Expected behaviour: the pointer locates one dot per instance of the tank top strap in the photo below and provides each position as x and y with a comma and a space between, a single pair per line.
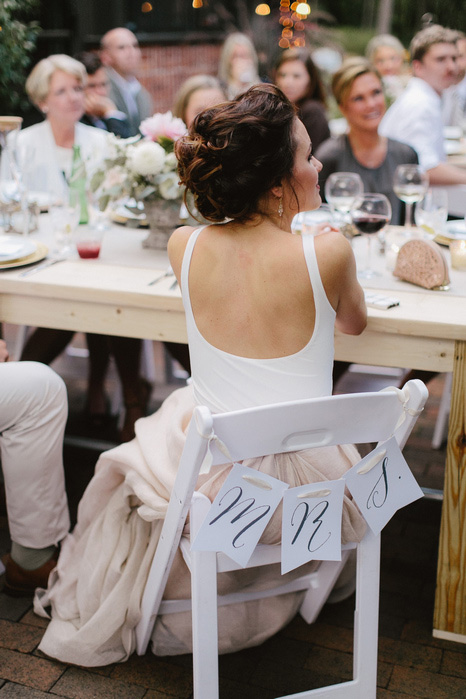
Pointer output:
314, 272
185, 267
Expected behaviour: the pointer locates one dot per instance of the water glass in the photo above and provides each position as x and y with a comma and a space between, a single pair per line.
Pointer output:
410, 184
431, 213
64, 220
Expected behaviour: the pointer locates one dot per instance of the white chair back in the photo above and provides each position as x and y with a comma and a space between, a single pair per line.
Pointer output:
342, 419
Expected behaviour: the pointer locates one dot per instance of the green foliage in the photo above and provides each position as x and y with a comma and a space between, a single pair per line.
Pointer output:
353, 39
17, 42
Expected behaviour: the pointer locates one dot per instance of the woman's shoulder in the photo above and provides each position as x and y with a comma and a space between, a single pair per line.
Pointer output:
406, 153
177, 245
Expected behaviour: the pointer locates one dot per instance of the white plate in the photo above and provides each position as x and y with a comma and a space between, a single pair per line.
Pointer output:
453, 147
14, 248
455, 229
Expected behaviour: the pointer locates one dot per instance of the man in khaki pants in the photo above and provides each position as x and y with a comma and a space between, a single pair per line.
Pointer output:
33, 412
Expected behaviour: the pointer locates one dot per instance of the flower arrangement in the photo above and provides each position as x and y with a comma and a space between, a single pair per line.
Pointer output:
143, 167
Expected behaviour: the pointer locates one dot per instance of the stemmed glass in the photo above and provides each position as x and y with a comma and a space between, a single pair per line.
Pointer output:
410, 183
64, 219
341, 190
370, 213
431, 213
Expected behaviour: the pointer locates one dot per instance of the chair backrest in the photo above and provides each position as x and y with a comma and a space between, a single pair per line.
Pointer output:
272, 429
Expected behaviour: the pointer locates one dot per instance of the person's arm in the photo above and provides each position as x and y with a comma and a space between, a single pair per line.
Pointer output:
4, 356
338, 273
446, 174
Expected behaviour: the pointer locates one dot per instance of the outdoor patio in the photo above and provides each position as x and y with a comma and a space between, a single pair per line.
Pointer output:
411, 663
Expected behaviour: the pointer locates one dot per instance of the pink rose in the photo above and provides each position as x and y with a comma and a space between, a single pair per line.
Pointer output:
163, 125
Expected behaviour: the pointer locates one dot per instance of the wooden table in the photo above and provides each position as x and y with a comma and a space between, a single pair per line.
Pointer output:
427, 331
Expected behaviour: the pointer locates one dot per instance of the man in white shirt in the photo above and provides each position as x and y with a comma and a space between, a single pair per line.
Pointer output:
415, 117
121, 55
454, 98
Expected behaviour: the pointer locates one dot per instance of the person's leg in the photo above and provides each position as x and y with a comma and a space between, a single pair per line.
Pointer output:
136, 391
33, 412
99, 356
45, 344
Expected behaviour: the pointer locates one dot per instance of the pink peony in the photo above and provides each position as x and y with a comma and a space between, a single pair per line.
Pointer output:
163, 125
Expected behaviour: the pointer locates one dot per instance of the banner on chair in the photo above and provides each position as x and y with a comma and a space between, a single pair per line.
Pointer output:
311, 524
240, 513
381, 483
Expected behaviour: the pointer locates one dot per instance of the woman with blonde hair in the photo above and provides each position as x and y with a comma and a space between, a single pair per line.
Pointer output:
238, 65
56, 87
359, 93
298, 77
196, 94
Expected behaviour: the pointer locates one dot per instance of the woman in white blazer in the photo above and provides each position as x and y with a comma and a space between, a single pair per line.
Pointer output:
56, 86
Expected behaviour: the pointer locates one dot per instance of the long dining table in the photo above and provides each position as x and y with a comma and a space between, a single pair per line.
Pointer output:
113, 295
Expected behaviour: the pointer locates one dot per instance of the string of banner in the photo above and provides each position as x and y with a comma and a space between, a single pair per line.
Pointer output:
380, 484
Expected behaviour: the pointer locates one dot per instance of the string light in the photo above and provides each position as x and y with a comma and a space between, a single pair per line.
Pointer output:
146, 7
292, 18
263, 9
197, 3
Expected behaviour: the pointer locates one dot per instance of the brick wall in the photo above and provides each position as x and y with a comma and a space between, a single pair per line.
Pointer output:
164, 68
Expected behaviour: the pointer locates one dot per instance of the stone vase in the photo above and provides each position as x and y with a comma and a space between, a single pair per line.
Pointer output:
162, 216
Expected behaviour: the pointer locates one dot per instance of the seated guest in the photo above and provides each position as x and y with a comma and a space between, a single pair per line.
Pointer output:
386, 54
121, 55
454, 97
415, 117
298, 77
238, 65
359, 93
33, 412
56, 86
261, 307
100, 111
196, 94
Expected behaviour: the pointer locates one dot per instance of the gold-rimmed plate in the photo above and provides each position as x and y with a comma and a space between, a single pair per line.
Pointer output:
39, 254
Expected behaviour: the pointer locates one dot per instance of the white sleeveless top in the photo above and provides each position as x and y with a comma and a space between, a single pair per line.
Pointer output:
225, 382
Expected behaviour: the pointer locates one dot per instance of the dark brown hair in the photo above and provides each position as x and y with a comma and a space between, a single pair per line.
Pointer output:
316, 89
236, 151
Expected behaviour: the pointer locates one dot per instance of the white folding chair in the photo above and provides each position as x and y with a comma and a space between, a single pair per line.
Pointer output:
343, 419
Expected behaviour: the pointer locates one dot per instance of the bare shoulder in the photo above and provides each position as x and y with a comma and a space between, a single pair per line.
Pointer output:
332, 250
177, 245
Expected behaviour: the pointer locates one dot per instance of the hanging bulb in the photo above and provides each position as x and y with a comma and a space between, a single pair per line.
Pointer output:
197, 3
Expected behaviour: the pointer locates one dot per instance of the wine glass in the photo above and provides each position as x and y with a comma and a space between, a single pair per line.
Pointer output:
431, 213
370, 213
64, 219
341, 190
410, 184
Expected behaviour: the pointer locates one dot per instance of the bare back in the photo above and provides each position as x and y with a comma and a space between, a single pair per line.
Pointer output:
250, 289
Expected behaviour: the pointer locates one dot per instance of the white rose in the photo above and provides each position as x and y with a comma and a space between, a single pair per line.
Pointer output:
170, 162
146, 158
168, 185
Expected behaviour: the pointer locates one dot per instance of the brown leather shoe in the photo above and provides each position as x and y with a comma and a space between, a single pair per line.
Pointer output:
20, 582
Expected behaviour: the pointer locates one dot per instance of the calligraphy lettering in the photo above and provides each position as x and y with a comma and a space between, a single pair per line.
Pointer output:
375, 494
318, 520
247, 505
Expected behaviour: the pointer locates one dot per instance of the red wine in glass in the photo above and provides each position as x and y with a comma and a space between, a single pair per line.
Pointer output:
367, 224
370, 213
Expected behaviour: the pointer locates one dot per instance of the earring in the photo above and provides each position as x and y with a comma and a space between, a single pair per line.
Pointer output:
45, 110
280, 207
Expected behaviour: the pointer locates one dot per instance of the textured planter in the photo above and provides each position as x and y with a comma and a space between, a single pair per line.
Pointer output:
162, 216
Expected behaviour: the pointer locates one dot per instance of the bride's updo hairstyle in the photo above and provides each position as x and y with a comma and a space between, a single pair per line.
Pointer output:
236, 151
